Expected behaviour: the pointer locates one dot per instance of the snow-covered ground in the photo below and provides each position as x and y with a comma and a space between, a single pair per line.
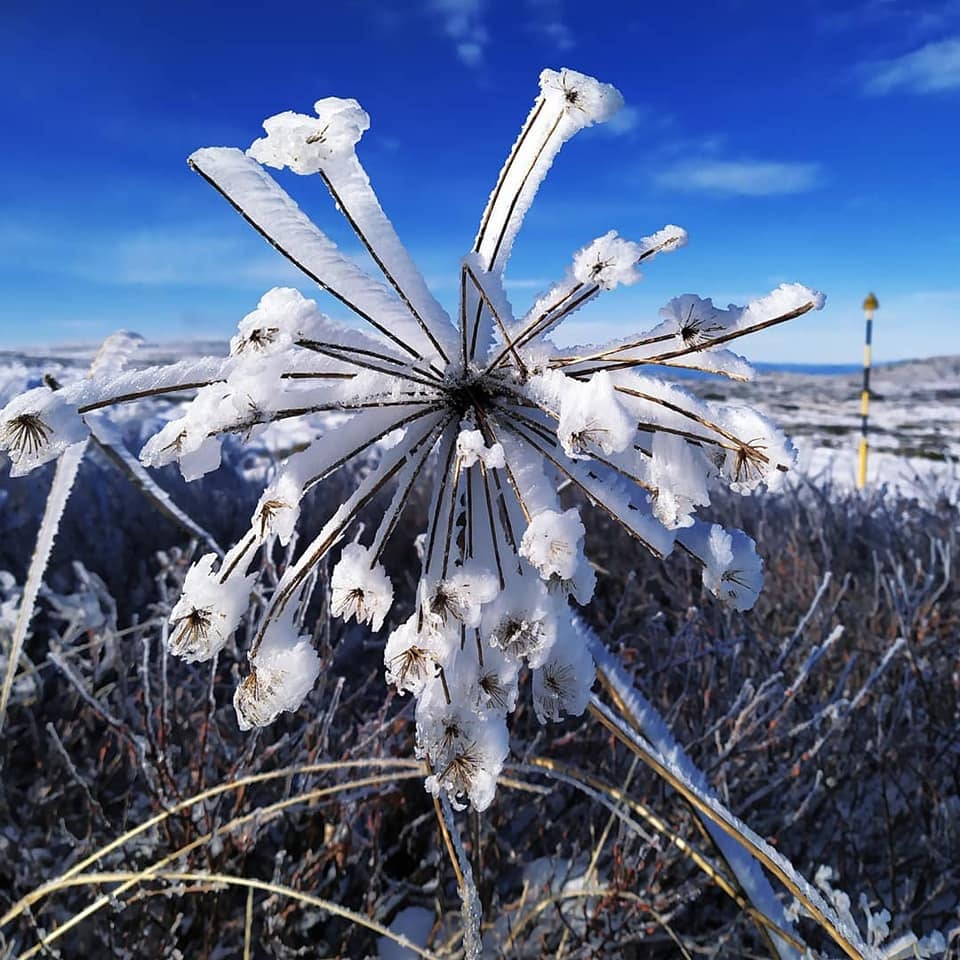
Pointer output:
914, 419
914, 411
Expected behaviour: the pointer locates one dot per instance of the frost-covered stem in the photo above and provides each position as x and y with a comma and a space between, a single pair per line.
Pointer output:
485, 297
489, 438
497, 257
338, 406
107, 438
495, 198
551, 316
63, 479
392, 516
347, 355
307, 248
494, 533
451, 513
590, 494
848, 939
645, 720
143, 395
316, 375
333, 530
749, 451
511, 479
713, 342
603, 354
438, 501
471, 912
236, 556
346, 177
464, 335
787, 648
538, 428
469, 504
504, 210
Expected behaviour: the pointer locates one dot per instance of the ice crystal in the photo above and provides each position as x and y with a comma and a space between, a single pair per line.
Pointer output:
485, 404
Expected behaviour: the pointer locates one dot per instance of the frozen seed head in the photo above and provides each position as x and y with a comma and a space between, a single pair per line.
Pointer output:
519, 637
305, 144
207, 612
37, 427
489, 407
191, 634
25, 435
608, 262
733, 569
553, 543
585, 100
360, 587
283, 671
256, 697
561, 687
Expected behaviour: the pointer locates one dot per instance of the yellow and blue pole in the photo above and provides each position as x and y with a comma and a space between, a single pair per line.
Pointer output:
869, 306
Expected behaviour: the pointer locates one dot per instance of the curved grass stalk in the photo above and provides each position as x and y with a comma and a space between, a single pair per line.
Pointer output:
604, 893
276, 889
847, 938
260, 814
615, 799
239, 784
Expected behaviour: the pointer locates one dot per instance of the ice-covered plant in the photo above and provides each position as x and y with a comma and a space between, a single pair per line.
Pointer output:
485, 403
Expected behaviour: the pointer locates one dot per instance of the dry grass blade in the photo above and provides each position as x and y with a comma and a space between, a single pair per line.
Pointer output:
239, 784
260, 814
616, 800
603, 893
847, 939
248, 925
276, 889
746, 874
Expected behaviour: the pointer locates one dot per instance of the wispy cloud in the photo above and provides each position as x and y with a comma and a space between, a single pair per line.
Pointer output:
932, 68
547, 21
181, 256
462, 21
748, 178
631, 117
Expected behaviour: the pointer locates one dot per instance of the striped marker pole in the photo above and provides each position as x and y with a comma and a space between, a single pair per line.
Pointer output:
869, 306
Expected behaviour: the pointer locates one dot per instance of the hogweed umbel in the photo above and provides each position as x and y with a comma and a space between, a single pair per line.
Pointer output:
499, 412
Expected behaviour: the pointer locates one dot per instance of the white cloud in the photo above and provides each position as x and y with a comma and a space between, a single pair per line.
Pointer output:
548, 22
749, 178
625, 120
932, 68
462, 21
169, 256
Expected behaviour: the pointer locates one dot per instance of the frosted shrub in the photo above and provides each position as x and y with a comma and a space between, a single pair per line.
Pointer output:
485, 403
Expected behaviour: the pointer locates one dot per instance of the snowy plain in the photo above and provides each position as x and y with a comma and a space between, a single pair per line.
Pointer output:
914, 409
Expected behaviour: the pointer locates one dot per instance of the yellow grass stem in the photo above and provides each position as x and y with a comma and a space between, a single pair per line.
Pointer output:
248, 925
620, 797
52, 885
224, 879
724, 822
260, 814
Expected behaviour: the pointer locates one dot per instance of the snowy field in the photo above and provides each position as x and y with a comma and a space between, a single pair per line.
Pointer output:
914, 411
914, 419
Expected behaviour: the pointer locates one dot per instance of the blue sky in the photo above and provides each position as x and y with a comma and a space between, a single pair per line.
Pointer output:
810, 141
